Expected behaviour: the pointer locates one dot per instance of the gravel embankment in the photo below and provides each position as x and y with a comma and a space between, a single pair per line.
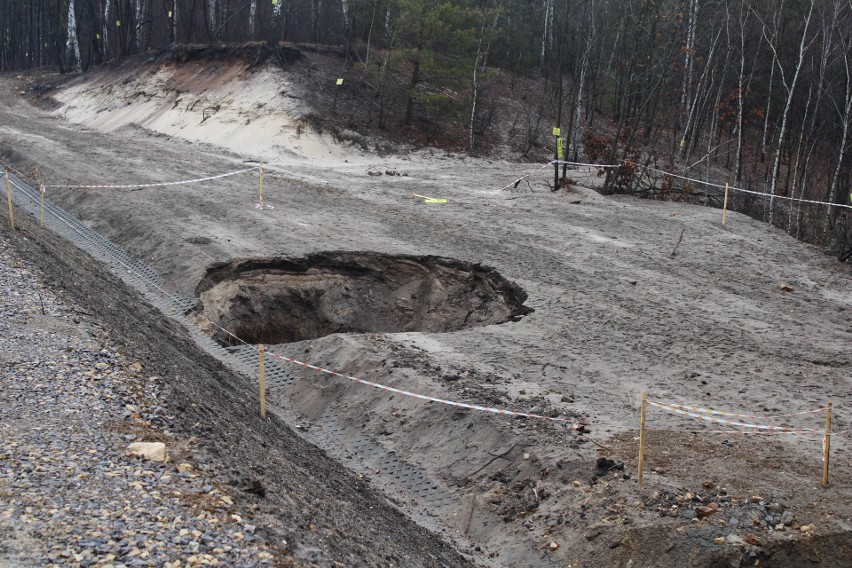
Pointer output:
70, 403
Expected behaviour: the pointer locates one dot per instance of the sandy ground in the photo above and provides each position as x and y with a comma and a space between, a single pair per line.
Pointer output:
741, 318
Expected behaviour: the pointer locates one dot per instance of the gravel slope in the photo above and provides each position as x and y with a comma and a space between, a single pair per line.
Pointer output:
79, 382
70, 403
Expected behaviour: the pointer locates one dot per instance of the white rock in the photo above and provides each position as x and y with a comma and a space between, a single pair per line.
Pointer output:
154, 451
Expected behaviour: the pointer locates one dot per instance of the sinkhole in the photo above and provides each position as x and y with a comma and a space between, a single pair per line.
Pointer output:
283, 300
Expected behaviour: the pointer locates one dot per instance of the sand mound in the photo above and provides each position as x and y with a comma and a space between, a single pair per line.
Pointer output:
235, 103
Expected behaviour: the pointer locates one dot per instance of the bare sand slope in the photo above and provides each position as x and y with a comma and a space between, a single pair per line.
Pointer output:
742, 318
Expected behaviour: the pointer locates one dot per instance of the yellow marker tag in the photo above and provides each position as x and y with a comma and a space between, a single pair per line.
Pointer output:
97, 36
118, 23
433, 200
170, 13
339, 82
557, 131
560, 153
274, 2
850, 197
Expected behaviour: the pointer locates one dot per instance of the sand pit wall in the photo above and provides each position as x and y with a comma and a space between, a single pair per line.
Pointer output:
238, 104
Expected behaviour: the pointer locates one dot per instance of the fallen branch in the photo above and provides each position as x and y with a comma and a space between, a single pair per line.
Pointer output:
679, 239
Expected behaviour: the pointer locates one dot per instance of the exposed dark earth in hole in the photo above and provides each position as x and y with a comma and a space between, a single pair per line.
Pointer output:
283, 300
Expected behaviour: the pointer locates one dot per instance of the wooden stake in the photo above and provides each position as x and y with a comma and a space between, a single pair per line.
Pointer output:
261, 185
9, 200
41, 193
262, 349
679, 239
640, 477
826, 445
725, 207
557, 132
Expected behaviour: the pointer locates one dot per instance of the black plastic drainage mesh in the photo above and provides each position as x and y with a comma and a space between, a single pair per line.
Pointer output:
331, 435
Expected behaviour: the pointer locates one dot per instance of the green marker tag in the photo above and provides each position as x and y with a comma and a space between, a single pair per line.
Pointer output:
339, 82
433, 200
274, 2
97, 36
557, 131
560, 152
118, 23
170, 13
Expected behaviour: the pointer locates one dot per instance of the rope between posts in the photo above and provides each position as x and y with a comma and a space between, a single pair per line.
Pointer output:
767, 427
161, 184
748, 191
684, 178
819, 433
420, 396
294, 361
702, 410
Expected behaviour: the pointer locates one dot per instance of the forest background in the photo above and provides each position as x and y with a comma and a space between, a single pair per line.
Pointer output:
757, 93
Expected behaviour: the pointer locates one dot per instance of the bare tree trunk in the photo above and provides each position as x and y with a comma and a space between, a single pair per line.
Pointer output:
771, 42
72, 43
799, 153
174, 22
212, 16
791, 89
579, 96
382, 78
841, 152
547, 36
686, 138
481, 55
738, 168
369, 39
139, 21
252, 18
688, 58
714, 110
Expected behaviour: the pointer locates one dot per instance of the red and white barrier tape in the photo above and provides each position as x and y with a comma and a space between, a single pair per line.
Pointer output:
162, 184
584, 165
751, 433
767, 427
702, 410
423, 396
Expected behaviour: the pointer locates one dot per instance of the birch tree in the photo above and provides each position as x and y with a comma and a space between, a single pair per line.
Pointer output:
686, 99
174, 21
482, 48
791, 90
212, 8
72, 44
252, 18
844, 111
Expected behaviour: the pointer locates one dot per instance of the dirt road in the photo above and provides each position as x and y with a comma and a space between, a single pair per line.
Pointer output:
741, 318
